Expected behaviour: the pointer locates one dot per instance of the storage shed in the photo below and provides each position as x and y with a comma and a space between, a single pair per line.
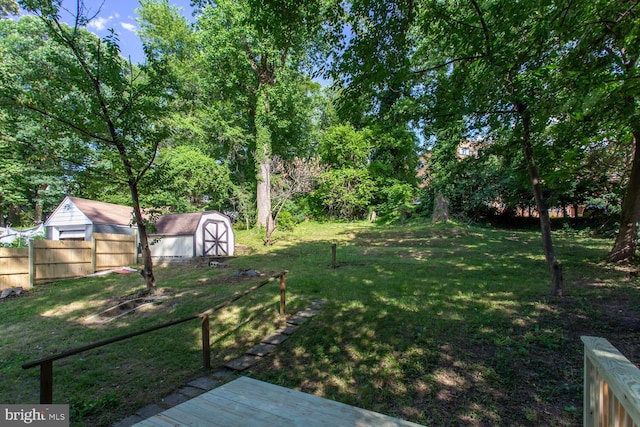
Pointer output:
193, 234
78, 219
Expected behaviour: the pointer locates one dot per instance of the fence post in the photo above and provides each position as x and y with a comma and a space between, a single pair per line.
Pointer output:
94, 246
283, 291
32, 266
206, 348
46, 382
333, 255
134, 258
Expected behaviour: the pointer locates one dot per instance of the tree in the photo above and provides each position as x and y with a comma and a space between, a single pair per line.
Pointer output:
604, 66
494, 64
252, 100
487, 63
188, 180
8, 7
345, 193
346, 189
261, 45
39, 156
293, 179
111, 105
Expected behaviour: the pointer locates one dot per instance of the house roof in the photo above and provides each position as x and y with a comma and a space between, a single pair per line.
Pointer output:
102, 212
177, 224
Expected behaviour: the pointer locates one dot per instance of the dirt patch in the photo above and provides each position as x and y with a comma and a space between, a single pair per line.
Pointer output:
125, 307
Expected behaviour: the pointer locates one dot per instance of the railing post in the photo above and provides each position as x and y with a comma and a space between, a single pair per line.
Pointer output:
283, 291
46, 382
333, 255
587, 412
206, 347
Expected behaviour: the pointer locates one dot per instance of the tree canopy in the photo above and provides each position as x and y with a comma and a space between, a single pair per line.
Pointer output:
229, 104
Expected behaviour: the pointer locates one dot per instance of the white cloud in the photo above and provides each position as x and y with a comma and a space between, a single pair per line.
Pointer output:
128, 26
100, 23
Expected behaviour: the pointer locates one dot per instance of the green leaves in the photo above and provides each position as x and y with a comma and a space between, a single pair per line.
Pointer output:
343, 146
344, 193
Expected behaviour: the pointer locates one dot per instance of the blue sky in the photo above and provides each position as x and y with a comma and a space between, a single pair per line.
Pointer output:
120, 16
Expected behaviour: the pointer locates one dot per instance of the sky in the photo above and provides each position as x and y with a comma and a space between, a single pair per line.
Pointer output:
120, 16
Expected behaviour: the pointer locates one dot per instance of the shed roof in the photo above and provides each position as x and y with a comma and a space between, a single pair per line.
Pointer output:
178, 224
102, 212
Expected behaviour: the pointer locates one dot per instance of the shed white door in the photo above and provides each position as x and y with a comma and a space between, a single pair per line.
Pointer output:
215, 238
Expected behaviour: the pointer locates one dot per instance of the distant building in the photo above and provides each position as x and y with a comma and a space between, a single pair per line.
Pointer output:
468, 148
174, 236
78, 219
192, 234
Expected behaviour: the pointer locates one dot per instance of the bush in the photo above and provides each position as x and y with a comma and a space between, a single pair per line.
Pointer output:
344, 194
285, 221
399, 197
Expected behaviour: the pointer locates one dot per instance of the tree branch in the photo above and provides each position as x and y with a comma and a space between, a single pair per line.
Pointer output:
65, 122
447, 63
485, 29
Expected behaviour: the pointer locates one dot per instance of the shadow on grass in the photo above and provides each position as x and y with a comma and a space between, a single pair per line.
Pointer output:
438, 325
454, 326
107, 384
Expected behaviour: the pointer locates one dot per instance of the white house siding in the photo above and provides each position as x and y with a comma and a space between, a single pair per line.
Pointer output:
68, 222
172, 246
68, 232
67, 214
78, 219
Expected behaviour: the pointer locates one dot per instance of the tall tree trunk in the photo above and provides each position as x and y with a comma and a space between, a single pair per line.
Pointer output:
147, 262
37, 209
545, 223
263, 167
624, 248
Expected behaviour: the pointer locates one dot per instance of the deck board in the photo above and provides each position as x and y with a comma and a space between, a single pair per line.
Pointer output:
253, 403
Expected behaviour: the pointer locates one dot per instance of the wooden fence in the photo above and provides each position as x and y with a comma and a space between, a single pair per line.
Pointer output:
49, 260
611, 386
14, 267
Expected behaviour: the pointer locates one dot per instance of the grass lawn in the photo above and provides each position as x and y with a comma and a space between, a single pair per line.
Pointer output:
441, 325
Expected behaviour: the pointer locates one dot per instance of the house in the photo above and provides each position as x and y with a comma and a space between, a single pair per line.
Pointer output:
207, 233
78, 219
172, 236
468, 148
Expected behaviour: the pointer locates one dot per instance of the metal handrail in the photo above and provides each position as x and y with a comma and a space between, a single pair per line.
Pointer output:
46, 364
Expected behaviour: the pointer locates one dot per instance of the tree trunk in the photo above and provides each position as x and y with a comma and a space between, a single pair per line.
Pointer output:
624, 248
263, 195
263, 168
545, 223
147, 262
440, 210
37, 209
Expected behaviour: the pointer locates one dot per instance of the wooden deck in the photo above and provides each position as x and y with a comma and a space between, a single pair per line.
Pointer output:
248, 402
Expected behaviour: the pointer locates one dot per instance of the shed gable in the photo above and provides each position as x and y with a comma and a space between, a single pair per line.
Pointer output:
67, 213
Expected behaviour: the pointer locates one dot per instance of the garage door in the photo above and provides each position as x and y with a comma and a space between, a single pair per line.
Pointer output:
72, 234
